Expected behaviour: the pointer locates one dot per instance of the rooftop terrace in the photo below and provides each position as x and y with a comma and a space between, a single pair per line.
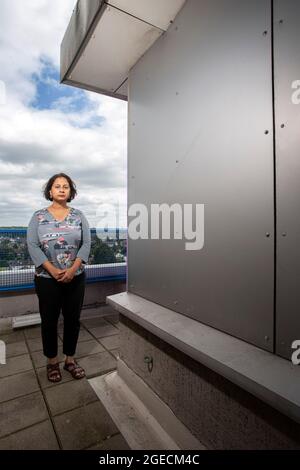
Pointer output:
37, 414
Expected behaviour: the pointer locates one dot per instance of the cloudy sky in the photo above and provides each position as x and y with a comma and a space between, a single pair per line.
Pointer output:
46, 128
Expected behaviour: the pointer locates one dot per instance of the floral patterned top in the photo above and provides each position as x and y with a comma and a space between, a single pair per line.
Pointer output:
59, 242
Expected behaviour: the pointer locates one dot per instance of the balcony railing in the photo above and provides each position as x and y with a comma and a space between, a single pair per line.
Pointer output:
107, 258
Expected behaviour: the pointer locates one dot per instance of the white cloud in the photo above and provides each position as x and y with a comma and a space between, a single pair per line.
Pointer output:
34, 143
30, 30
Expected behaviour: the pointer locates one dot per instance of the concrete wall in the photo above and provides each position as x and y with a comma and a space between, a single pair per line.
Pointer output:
25, 302
217, 412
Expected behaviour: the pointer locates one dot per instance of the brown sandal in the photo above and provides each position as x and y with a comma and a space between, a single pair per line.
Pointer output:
53, 372
75, 370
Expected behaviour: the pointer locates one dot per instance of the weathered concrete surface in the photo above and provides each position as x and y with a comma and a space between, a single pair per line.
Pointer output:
38, 414
218, 413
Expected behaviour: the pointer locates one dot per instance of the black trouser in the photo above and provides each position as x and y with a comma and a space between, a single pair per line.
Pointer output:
54, 297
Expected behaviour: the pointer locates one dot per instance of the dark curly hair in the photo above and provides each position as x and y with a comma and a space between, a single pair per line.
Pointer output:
48, 186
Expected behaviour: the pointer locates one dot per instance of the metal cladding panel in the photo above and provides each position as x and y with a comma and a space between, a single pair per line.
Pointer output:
287, 125
200, 131
156, 12
117, 42
84, 14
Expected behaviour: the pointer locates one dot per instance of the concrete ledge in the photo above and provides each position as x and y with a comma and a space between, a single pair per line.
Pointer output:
144, 420
174, 428
274, 380
139, 428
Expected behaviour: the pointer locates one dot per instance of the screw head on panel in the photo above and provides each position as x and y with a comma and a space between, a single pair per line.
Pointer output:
265, 33
280, 21
284, 234
282, 126
266, 131
268, 234
149, 361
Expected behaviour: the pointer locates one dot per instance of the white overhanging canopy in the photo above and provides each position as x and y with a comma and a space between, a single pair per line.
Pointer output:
105, 39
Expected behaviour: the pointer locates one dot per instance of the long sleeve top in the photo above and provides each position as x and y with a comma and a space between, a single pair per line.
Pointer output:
59, 242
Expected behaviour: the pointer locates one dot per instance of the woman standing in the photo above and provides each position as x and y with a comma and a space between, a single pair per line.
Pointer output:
59, 242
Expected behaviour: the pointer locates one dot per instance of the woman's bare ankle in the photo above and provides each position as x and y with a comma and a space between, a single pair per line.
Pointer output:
52, 360
69, 359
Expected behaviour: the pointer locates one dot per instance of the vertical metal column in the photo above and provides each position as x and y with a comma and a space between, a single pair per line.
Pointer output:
287, 125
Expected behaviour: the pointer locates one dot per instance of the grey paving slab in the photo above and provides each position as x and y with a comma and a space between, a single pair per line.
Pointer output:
110, 342
36, 344
13, 337
94, 322
33, 332
22, 412
116, 442
18, 385
84, 336
114, 319
108, 309
97, 364
82, 427
37, 437
96, 312
102, 331
86, 348
65, 397
16, 349
14, 365
115, 352
40, 360
5, 326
